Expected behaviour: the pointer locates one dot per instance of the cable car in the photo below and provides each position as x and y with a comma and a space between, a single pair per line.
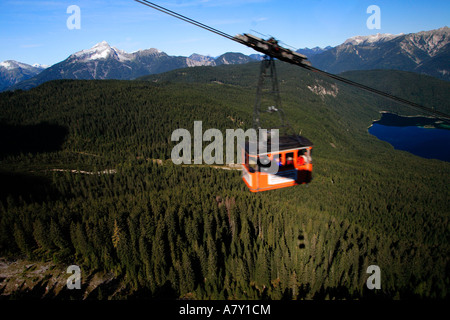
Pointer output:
292, 161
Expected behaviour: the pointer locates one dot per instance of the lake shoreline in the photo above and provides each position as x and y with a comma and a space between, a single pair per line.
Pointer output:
391, 119
423, 136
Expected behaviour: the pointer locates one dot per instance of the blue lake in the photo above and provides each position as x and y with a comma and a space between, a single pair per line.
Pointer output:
405, 133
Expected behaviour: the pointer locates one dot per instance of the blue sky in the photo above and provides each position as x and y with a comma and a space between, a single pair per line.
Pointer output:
36, 31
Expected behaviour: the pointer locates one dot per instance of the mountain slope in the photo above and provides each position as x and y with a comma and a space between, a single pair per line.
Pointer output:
424, 52
12, 72
233, 58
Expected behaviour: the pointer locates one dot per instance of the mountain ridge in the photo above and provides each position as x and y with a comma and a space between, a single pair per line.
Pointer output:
103, 61
426, 52
309, 52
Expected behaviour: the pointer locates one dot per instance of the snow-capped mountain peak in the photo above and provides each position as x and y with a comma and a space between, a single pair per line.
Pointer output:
8, 65
12, 64
40, 66
101, 50
371, 39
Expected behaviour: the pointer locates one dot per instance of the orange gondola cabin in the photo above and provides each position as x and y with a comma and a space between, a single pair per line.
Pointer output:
292, 160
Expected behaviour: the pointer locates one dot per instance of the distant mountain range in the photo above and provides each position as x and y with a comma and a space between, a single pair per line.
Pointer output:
105, 62
426, 52
13, 72
313, 51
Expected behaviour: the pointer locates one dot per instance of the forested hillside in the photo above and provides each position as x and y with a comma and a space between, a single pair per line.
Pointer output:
168, 231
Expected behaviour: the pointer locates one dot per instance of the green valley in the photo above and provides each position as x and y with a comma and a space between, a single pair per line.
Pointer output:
167, 231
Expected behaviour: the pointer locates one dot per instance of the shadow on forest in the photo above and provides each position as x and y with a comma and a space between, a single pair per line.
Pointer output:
15, 186
42, 137
24, 139
165, 292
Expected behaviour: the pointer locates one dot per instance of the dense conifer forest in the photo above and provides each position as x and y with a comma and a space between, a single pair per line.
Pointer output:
86, 179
